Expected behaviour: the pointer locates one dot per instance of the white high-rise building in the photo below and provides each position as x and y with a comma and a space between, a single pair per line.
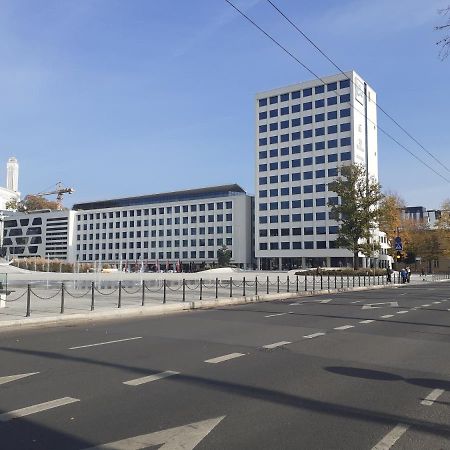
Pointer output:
12, 175
304, 133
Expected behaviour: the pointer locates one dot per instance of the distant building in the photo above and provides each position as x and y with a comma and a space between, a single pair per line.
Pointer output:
11, 191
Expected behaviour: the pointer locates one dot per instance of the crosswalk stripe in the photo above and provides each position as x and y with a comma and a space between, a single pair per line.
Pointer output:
150, 378
10, 378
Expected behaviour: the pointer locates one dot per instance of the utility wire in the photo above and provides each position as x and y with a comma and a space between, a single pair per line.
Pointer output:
323, 81
343, 73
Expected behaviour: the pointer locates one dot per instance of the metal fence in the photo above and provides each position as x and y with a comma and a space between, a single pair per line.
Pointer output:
72, 296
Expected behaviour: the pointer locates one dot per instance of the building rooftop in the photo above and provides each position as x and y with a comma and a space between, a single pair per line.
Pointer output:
176, 196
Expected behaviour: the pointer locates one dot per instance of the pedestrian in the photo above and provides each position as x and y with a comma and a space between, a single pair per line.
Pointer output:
388, 274
404, 275
408, 274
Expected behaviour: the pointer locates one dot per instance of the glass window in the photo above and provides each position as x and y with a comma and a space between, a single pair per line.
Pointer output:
273, 206
284, 151
331, 86
307, 120
319, 89
295, 108
320, 131
285, 218
344, 98
333, 157
274, 166
344, 83
296, 163
263, 193
307, 134
332, 143
296, 217
284, 97
344, 112
319, 117
273, 192
320, 188
308, 245
284, 191
284, 138
273, 219
262, 101
284, 165
262, 167
295, 94
320, 145
274, 246
285, 245
332, 115
262, 155
333, 229
307, 189
321, 244
262, 219
345, 127
307, 106
320, 201
295, 122
296, 190
320, 216
332, 129
308, 203
320, 159
284, 178
284, 110
273, 126
273, 139
333, 172
320, 103
263, 245
345, 141
262, 128
296, 204
296, 136
307, 92
263, 206
307, 147
262, 115
274, 179
284, 124
273, 113
331, 101
320, 173
346, 156
307, 161
273, 153
273, 99
296, 176
262, 141
295, 149
307, 175
308, 217
284, 205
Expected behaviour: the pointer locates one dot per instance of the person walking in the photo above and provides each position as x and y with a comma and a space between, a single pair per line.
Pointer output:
388, 275
404, 275
408, 274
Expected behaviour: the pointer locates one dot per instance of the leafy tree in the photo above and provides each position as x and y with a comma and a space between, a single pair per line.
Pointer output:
444, 42
357, 211
223, 256
443, 228
32, 203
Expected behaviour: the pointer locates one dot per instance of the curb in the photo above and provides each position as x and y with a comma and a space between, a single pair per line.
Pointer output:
160, 310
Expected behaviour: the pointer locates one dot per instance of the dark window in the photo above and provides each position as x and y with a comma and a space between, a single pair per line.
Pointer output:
345, 127
320, 103
344, 84
295, 94
307, 92
344, 112
331, 86
262, 102
274, 99
346, 156
284, 97
319, 89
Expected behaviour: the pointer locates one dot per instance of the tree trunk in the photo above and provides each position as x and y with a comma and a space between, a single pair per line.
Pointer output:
355, 260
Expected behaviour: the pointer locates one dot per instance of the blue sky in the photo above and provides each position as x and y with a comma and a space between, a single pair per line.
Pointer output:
119, 98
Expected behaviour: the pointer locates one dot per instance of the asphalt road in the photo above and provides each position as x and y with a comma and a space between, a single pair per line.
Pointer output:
327, 372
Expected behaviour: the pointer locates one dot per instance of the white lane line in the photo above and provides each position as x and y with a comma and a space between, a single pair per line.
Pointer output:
276, 344
10, 378
104, 343
275, 315
404, 293
326, 300
426, 305
150, 378
431, 397
223, 358
392, 437
295, 304
367, 321
314, 335
345, 327
436, 303
357, 301
5, 417
402, 312
387, 316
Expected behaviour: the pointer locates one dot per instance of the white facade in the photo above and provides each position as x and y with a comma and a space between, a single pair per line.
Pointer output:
163, 230
45, 234
304, 133
12, 174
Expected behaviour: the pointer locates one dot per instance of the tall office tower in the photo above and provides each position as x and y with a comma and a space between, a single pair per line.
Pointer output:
304, 133
12, 174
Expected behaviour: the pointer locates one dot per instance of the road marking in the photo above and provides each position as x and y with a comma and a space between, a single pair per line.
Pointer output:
104, 343
357, 301
345, 327
150, 378
186, 437
277, 344
392, 437
10, 378
436, 303
5, 417
376, 305
274, 315
431, 397
314, 335
402, 312
326, 300
387, 316
425, 305
367, 321
220, 359
295, 304
404, 293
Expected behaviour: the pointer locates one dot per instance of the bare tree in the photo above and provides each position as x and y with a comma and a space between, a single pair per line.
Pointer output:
444, 43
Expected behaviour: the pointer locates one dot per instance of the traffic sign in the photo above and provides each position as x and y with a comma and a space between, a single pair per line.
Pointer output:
398, 243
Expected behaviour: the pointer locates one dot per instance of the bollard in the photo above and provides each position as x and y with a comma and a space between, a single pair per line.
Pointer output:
164, 290
287, 283
348, 280
306, 283
364, 278
28, 301
267, 283
342, 281
296, 283
62, 298
321, 282
314, 283
278, 284
243, 287
201, 288
256, 285
335, 281
143, 293
184, 289
92, 296
359, 280
328, 275
353, 276
217, 288
119, 303
368, 279
231, 287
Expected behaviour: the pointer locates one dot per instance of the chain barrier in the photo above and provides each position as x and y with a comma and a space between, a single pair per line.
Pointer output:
105, 293
45, 298
175, 289
194, 288
237, 284
153, 290
8, 300
139, 289
77, 296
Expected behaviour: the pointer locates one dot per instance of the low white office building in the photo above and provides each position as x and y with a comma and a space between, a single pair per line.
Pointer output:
168, 231
304, 133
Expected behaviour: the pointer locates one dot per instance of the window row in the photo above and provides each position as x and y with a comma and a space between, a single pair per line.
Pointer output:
307, 92
331, 143
286, 218
307, 161
309, 175
297, 122
306, 231
331, 115
307, 245
138, 257
305, 203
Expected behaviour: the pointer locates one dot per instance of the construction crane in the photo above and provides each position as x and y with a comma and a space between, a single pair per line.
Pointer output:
59, 191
